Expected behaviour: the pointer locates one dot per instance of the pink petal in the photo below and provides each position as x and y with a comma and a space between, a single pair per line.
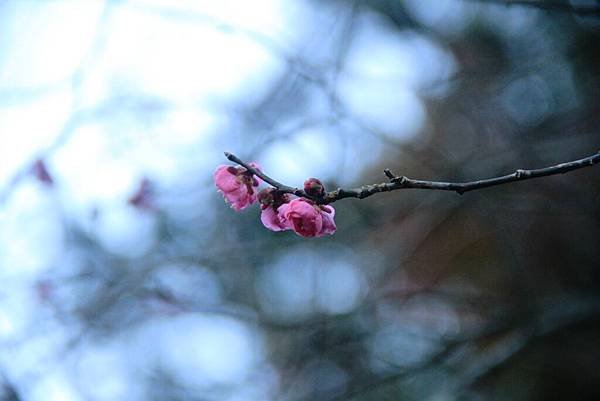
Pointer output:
242, 199
255, 165
303, 218
270, 219
329, 226
224, 180
256, 180
41, 172
234, 190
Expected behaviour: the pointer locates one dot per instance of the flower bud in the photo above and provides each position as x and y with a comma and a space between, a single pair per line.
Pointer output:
314, 187
266, 196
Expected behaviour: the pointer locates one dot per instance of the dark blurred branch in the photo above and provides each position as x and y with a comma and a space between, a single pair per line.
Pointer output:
474, 356
549, 5
402, 182
436, 359
77, 117
555, 315
8, 391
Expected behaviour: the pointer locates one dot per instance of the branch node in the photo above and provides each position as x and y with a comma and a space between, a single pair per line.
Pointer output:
388, 173
520, 173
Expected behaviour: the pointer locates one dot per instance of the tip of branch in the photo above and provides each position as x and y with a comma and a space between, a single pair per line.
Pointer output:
388, 173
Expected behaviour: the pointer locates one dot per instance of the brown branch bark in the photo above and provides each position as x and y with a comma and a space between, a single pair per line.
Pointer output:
402, 182
582, 10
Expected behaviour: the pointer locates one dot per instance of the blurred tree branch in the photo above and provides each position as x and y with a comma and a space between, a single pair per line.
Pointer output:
402, 182
484, 356
8, 391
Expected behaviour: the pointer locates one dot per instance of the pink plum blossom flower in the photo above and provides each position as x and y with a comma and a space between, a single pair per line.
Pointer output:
279, 212
41, 172
271, 219
329, 227
270, 200
308, 219
143, 196
237, 185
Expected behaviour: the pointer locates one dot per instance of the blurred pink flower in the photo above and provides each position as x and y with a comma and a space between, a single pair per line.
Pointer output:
143, 196
308, 219
236, 185
40, 171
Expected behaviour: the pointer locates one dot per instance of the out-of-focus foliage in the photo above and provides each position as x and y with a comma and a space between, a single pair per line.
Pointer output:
125, 276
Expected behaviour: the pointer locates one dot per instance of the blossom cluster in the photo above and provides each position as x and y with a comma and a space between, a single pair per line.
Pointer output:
279, 211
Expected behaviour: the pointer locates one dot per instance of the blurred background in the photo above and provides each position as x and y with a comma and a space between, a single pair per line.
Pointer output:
124, 275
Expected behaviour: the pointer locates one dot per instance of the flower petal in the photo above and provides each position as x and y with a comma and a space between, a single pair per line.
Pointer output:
270, 219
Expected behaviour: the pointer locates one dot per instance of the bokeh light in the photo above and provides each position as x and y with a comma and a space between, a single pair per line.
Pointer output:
125, 276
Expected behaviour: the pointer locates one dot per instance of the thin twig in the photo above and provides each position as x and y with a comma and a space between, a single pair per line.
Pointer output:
590, 10
281, 187
402, 182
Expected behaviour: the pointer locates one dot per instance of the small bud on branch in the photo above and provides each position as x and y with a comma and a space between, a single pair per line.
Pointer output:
309, 215
402, 182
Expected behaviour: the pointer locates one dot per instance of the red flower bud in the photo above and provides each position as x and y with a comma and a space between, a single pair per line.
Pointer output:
314, 187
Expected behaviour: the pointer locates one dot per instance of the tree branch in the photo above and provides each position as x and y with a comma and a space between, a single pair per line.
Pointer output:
402, 182
281, 187
590, 10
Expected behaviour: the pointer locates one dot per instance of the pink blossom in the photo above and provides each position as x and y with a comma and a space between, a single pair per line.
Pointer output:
143, 196
308, 219
271, 219
328, 213
237, 185
41, 172
270, 199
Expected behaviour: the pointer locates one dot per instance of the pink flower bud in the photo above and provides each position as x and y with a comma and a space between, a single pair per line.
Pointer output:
237, 185
308, 219
314, 187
